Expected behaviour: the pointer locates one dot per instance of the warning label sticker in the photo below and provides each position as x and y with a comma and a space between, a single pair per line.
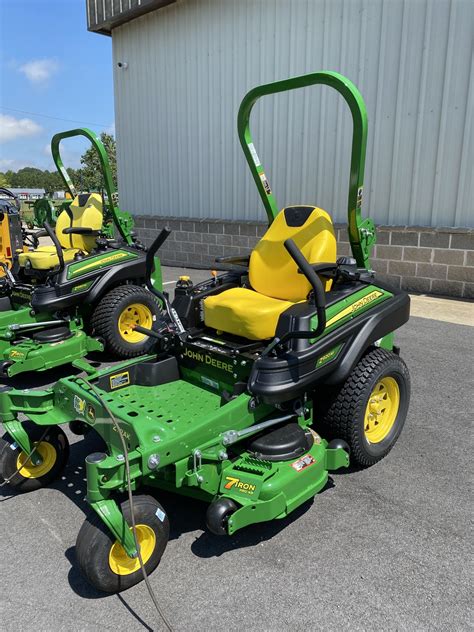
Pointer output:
303, 463
266, 184
120, 379
254, 154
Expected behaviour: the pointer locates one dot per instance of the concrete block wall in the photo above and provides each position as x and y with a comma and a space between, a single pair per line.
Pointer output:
418, 259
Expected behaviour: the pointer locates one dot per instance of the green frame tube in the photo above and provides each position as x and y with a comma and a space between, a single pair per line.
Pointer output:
121, 220
361, 232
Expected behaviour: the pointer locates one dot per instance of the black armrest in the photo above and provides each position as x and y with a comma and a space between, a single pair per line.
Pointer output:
322, 268
81, 230
42, 232
240, 261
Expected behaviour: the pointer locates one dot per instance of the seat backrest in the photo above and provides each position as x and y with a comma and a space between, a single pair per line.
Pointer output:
272, 271
85, 211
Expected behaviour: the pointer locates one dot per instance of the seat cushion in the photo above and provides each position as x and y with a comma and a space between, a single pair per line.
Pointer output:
85, 211
273, 272
243, 312
45, 257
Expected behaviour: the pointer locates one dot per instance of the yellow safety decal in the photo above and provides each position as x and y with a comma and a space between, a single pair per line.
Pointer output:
355, 307
120, 379
103, 261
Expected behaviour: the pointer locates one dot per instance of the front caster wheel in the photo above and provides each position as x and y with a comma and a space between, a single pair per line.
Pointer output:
218, 514
53, 448
102, 559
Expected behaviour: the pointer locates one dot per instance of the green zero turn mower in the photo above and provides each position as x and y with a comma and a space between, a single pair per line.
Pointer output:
83, 293
263, 380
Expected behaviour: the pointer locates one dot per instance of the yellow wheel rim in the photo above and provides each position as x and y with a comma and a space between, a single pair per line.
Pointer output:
119, 561
48, 456
382, 410
134, 314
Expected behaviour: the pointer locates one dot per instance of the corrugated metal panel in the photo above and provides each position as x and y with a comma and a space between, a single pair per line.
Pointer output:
190, 64
104, 15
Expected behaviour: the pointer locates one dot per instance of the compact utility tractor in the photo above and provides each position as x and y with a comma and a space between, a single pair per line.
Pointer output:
264, 379
44, 210
83, 292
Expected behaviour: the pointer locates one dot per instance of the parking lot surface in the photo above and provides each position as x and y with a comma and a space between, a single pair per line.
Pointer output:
386, 548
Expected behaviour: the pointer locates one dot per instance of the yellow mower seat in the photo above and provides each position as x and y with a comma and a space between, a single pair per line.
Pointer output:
273, 275
45, 257
85, 211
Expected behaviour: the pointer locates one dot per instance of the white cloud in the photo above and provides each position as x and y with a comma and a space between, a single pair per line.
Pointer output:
110, 129
39, 70
12, 164
11, 127
6, 163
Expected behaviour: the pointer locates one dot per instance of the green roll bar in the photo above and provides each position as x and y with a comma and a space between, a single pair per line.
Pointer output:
361, 231
122, 220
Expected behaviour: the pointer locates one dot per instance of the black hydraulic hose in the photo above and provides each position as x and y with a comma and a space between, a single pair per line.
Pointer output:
315, 281
57, 245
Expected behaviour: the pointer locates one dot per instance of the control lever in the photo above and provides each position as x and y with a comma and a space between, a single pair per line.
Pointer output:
148, 332
319, 299
319, 296
150, 265
57, 245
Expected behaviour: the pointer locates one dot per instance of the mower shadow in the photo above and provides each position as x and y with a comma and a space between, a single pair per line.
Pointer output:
46, 379
188, 514
38, 379
83, 589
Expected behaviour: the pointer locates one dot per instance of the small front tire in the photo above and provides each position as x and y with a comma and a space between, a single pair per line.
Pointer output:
53, 448
218, 514
102, 559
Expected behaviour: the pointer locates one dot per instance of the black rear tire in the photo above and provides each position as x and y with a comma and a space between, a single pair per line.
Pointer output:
343, 414
95, 542
106, 320
54, 447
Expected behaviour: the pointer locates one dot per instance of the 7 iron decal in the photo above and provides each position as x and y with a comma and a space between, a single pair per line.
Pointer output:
236, 483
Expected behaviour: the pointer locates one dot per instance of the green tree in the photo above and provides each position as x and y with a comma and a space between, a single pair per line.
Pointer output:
91, 172
4, 182
29, 178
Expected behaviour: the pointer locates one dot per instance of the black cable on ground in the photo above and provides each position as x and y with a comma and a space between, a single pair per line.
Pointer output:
130, 498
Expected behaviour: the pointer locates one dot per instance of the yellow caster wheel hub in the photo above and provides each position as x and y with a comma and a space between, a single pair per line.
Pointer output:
382, 409
121, 564
132, 315
48, 455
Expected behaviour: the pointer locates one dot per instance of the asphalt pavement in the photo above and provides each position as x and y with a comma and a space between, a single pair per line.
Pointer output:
387, 548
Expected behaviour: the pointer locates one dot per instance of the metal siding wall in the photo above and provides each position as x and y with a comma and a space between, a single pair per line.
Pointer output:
191, 63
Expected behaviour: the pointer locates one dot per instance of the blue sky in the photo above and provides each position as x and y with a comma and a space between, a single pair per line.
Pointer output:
50, 65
